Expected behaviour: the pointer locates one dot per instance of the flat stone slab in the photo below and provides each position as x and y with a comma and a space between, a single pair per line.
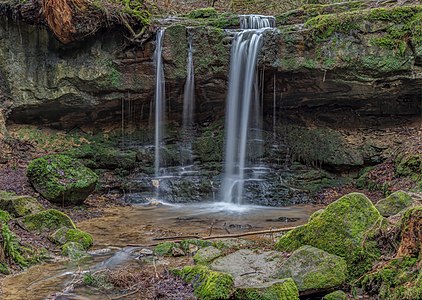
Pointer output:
250, 268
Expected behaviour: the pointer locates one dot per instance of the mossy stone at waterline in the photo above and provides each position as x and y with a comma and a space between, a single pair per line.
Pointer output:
61, 179
339, 229
48, 219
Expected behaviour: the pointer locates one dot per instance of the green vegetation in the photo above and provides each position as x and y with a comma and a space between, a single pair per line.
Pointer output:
209, 145
61, 178
11, 246
48, 219
165, 249
96, 280
399, 279
285, 290
410, 165
73, 250
208, 285
202, 13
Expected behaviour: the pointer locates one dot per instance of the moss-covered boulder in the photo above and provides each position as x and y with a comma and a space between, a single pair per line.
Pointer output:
410, 165
207, 284
61, 179
73, 250
285, 289
19, 206
51, 219
313, 269
394, 203
336, 295
64, 234
206, 255
339, 229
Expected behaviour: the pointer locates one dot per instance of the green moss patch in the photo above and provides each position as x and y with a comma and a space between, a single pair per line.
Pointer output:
207, 284
284, 290
73, 250
61, 179
48, 219
165, 249
314, 269
206, 255
339, 229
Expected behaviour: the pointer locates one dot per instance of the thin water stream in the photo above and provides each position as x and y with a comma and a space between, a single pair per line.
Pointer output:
121, 226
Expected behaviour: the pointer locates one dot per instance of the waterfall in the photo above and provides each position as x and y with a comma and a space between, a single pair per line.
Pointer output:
243, 109
188, 107
159, 98
256, 21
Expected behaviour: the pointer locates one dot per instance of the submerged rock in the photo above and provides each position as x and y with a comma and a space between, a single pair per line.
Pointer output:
394, 203
19, 206
339, 229
74, 250
208, 285
313, 269
48, 219
61, 179
284, 289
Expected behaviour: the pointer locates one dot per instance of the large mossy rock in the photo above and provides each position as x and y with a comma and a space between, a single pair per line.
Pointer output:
65, 234
339, 229
394, 203
61, 179
19, 206
336, 295
285, 289
207, 284
51, 219
313, 269
206, 255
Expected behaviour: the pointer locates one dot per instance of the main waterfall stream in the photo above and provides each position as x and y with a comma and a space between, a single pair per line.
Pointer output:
243, 110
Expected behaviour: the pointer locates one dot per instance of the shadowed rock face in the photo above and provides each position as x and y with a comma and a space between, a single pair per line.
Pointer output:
342, 80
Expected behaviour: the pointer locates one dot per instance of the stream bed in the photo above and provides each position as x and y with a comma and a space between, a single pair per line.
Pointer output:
122, 231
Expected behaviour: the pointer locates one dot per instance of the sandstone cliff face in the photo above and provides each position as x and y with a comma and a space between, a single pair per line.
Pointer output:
340, 78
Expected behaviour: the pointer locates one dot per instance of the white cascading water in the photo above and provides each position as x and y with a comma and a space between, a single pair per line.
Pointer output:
159, 98
243, 99
188, 106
